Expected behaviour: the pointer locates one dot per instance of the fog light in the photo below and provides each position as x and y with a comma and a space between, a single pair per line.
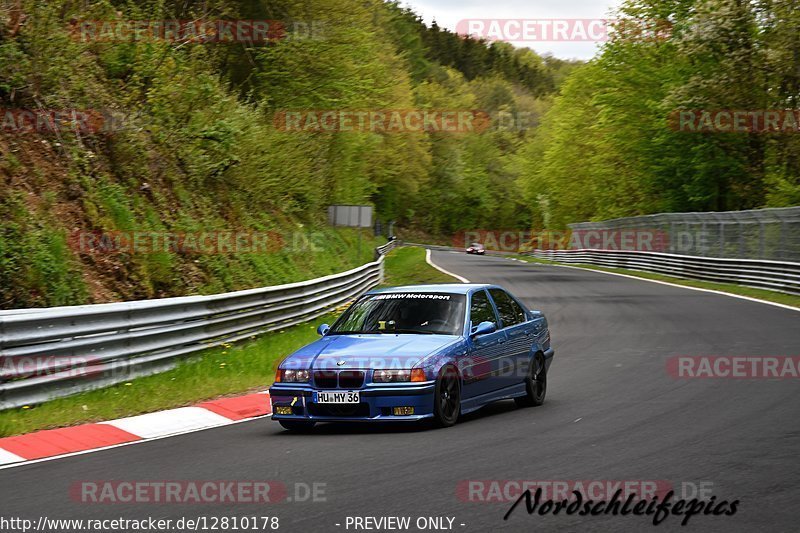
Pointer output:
283, 410
400, 411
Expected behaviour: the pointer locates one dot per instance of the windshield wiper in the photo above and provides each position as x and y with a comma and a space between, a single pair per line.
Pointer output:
390, 332
356, 332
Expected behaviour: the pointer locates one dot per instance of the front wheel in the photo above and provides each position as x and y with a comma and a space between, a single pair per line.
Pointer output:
297, 425
447, 398
535, 384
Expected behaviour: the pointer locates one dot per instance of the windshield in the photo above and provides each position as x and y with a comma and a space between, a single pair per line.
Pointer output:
416, 313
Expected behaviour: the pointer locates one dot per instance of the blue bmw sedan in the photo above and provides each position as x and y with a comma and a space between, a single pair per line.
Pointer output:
413, 353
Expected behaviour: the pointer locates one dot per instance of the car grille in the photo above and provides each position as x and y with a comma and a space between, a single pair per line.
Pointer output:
325, 379
349, 379
358, 410
331, 379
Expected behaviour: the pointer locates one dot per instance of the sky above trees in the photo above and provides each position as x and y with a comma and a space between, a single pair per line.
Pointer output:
448, 13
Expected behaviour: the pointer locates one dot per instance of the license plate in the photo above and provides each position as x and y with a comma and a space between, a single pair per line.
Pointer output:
336, 397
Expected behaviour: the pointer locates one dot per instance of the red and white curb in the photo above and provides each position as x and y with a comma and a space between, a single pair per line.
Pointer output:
79, 439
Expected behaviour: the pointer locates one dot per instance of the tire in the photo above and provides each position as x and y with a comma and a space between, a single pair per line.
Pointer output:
299, 426
535, 383
447, 398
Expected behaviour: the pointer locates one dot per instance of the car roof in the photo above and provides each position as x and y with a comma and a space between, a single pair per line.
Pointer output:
452, 288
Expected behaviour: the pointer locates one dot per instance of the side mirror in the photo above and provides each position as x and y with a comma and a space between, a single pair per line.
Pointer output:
323, 329
484, 328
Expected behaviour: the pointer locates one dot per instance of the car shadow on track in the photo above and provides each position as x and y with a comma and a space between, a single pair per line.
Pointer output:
496, 409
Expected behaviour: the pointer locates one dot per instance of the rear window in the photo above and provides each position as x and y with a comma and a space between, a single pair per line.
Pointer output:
414, 313
510, 311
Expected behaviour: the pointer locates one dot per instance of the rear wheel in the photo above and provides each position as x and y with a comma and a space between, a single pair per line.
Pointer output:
535, 384
447, 398
297, 425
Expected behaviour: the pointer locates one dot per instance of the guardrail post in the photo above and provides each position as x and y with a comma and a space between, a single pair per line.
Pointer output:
672, 237
703, 244
741, 239
781, 240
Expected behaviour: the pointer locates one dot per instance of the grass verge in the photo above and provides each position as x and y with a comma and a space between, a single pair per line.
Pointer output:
228, 370
407, 266
759, 294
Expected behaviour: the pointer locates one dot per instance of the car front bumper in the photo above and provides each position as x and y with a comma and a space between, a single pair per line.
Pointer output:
377, 403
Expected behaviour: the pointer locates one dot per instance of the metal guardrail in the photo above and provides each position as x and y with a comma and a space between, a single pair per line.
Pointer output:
386, 248
779, 276
53, 352
772, 233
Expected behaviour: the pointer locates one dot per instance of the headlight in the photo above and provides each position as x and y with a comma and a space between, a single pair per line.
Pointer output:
292, 376
391, 376
397, 376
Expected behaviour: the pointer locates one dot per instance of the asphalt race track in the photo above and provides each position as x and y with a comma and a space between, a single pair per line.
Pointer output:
613, 412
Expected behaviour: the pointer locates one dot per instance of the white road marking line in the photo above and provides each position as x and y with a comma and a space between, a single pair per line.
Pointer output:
7, 457
723, 293
440, 269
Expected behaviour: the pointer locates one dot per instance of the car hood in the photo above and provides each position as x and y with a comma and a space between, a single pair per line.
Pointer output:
368, 351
